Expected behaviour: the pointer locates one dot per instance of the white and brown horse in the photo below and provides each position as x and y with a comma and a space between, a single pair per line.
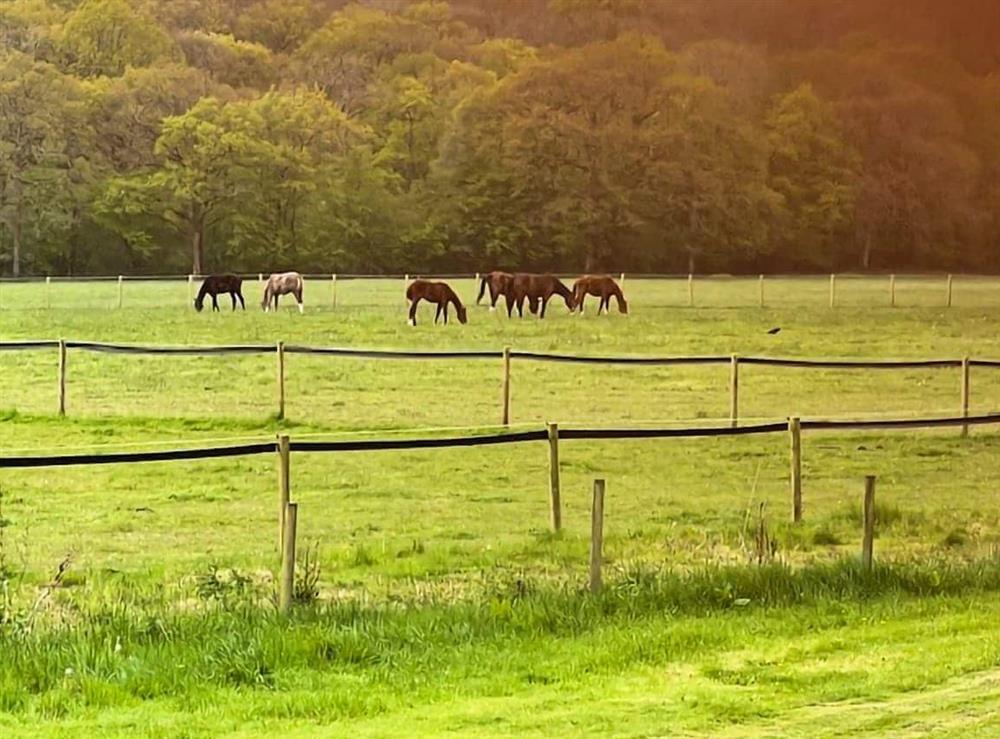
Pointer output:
284, 283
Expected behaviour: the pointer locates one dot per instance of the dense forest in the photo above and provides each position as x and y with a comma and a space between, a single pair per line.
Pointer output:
163, 136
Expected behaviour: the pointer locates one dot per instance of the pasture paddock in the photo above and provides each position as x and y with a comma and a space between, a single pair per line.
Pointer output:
703, 486
438, 525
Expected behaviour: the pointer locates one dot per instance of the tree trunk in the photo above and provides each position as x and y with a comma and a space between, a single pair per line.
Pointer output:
17, 228
197, 248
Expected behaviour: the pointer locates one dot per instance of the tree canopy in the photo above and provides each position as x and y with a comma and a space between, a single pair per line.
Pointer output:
329, 135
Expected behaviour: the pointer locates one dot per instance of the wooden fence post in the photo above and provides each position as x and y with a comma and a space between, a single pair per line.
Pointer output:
965, 394
892, 290
949, 291
833, 290
506, 386
190, 288
260, 277
287, 587
596, 536
868, 543
120, 285
734, 390
690, 290
621, 280
281, 379
333, 288
795, 440
48, 296
406, 284
760, 282
555, 503
284, 484
62, 377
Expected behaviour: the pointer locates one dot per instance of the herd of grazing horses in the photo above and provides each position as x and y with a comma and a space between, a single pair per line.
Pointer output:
516, 289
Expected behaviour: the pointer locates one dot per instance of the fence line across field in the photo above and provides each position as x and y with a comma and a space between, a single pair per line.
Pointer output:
288, 510
507, 355
330, 298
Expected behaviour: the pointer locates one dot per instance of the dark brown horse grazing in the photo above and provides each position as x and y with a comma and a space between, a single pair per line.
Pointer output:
603, 287
215, 285
434, 292
536, 289
499, 284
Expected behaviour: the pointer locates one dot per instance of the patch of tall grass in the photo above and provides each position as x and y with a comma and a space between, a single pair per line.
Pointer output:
123, 644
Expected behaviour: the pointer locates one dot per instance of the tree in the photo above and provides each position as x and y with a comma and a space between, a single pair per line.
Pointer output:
817, 174
40, 117
104, 37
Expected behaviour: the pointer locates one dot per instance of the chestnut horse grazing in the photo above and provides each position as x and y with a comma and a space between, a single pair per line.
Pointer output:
499, 284
536, 288
434, 292
284, 283
603, 287
215, 285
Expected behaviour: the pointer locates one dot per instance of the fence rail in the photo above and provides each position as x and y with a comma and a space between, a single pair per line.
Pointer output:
446, 442
506, 355
287, 510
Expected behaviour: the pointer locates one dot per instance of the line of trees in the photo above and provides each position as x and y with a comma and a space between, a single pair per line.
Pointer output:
389, 135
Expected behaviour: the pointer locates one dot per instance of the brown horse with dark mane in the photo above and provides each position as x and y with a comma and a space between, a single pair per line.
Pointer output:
601, 286
439, 293
537, 289
499, 284
216, 285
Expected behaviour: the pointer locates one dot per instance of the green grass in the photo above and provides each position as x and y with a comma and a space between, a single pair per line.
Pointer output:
433, 529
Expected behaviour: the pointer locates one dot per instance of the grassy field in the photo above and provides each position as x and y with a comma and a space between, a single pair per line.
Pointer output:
445, 527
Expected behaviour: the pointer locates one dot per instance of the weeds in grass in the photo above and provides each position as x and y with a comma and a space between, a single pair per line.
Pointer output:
307, 575
228, 587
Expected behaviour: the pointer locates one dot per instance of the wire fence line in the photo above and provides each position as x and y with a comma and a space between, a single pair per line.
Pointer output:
479, 440
943, 287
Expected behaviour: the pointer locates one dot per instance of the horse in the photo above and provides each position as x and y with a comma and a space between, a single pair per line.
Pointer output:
499, 284
538, 289
434, 292
601, 286
283, 283
215, 285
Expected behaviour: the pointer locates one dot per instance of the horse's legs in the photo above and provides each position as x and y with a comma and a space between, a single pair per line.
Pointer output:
493, 299
298, 299
445, 314
215, 302
239, 295
232, 296
510, 304
437, 313
413, 312
545, 302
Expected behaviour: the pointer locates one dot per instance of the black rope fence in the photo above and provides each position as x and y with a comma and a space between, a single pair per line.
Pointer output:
361, 445
117, 348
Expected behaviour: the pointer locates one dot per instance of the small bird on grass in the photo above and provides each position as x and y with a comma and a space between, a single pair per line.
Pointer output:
774, 330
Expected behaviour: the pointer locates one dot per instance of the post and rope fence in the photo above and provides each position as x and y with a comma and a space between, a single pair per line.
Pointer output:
288, 510
507, 355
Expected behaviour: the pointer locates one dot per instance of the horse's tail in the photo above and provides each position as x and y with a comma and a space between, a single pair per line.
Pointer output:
483, 279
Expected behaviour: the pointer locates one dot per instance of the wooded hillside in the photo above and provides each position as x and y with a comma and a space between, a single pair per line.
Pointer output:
142, 136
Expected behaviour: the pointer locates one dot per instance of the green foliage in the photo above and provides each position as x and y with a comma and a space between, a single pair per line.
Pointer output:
555, 135
105, 37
